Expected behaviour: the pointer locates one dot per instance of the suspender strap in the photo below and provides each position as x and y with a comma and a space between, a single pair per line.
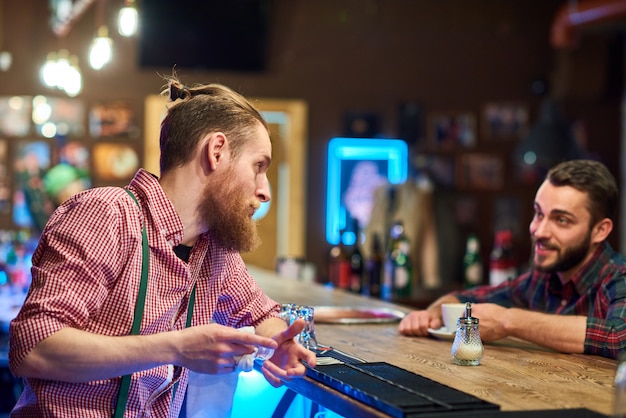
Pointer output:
122, 397
192, 301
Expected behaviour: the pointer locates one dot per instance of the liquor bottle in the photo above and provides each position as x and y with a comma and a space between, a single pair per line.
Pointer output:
502, 264
372, 274
356, 265
339, 266
397, 271
402, 266
472, 263
386, 285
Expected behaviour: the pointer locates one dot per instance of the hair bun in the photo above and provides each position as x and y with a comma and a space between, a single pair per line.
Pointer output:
178, 92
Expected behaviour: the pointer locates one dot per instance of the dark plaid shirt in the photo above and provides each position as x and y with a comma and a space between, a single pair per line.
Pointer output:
597, 291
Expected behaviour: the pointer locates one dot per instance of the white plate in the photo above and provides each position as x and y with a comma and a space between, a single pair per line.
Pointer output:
442, 333
357, 315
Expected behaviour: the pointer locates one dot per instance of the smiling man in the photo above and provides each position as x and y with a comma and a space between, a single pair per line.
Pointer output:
573, 298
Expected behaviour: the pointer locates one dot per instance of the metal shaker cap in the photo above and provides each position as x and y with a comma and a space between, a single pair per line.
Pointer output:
468, 319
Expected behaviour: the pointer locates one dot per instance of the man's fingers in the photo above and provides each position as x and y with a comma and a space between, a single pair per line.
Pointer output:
245, 339
294, 329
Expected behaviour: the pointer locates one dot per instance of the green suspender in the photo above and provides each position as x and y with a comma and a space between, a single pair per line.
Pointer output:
122, 397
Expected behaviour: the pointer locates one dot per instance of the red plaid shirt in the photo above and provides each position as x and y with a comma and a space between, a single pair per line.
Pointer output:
597, 291
86, 273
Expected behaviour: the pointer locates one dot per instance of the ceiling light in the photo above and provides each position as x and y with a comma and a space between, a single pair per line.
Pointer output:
100, 52
127, 19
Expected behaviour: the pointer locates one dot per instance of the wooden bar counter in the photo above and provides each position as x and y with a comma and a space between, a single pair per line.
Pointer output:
513, 374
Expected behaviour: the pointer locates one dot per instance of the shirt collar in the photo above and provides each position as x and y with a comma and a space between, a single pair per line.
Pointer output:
161, 209
586, 276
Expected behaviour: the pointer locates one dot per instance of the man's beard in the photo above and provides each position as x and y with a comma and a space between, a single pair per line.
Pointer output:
226, 213
566, 258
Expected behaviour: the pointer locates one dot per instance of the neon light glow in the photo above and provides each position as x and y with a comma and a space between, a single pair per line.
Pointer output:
388, 155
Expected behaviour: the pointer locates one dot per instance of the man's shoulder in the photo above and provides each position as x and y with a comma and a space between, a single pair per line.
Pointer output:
107, 195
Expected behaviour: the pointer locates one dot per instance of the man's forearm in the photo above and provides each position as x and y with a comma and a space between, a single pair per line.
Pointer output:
270, 327
564, 333
71, 355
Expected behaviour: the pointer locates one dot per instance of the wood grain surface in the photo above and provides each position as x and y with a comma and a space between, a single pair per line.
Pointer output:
513, 374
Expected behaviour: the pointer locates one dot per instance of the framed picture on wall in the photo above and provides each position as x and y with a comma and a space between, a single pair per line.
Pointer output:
441, 170
451, 130
114, 161
505, 120
56, 116
31, 203
5, 187
480, 171
112, 119
15, 115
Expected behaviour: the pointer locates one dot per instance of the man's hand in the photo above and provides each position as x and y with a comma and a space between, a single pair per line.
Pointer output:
286, 363
491, 320
215, 349
416, 323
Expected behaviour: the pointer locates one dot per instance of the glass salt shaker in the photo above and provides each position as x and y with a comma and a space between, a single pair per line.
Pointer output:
467, 349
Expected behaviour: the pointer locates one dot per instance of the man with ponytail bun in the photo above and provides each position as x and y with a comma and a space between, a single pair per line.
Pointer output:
112, 324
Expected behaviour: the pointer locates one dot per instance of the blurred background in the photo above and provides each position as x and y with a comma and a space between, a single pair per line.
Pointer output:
484, 96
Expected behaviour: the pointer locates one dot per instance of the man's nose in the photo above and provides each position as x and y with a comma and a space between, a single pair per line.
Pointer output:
263, 191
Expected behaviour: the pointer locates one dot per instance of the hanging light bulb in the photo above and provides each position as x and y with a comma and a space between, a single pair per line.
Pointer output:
49, 72
74, 80
5, 60
127, 19
62, 68
101, 49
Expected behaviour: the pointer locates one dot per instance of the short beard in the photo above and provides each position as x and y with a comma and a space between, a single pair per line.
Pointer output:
568, 259
224, 210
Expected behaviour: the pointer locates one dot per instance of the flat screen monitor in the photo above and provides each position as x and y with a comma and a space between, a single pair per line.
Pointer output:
204, 35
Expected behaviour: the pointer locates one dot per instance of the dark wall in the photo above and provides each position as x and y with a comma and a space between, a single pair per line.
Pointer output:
368, 55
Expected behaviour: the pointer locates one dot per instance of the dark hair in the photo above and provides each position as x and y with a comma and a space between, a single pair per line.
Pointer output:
593, 178
200, 110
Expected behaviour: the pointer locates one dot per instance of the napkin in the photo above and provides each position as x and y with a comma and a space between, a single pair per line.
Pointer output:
211, 395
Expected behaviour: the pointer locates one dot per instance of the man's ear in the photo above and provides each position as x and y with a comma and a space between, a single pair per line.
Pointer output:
601, 230
216, 146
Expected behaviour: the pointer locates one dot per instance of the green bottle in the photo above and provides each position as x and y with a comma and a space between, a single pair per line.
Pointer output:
472, 263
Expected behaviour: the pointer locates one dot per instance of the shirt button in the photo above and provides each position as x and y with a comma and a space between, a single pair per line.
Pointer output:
563, 302
171, 243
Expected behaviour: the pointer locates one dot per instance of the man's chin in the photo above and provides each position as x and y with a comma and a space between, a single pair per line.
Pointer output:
544, 267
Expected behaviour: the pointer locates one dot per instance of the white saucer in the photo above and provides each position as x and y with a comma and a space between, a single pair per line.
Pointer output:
442, 333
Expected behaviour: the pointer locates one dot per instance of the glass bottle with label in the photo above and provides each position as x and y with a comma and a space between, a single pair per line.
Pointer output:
402, 266
339, 266
397, 275
356, 265
373, 268
472, 263
502, 264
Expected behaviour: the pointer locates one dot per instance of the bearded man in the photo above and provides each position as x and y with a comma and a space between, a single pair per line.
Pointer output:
573, 298
134, 288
